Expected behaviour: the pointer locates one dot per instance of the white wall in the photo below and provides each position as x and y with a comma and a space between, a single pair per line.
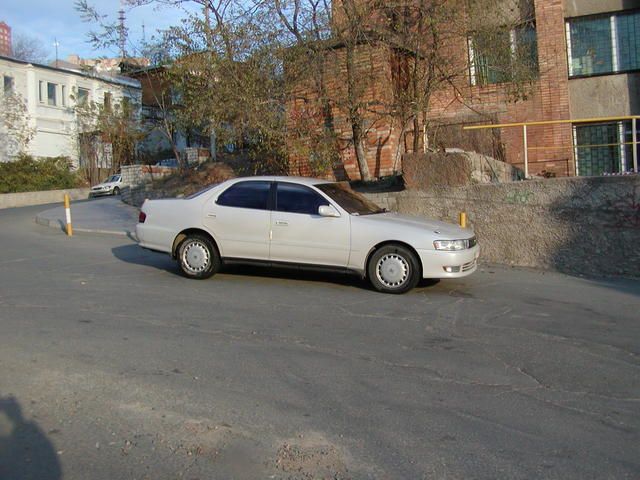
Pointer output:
55, 125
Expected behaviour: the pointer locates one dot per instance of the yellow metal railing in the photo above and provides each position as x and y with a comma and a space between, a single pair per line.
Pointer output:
526, 148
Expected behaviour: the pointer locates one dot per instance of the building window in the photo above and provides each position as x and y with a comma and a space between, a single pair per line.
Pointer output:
51, 94
63, 95
41, 92
503, 55
107, 101
8, 84
83, 96
603, 44
604, 148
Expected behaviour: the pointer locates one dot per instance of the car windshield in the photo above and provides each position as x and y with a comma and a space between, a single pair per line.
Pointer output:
113, 178
353, 202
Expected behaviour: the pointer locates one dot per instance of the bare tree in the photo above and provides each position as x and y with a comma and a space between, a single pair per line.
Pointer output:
29, 49
15, 129
428, 45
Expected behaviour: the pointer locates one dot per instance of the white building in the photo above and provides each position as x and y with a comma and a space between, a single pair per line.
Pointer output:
50, 94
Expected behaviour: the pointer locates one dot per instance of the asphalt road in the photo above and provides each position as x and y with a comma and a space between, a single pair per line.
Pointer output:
113, 366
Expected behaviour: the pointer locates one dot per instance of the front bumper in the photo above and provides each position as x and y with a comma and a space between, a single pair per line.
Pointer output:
442, 264
97, 193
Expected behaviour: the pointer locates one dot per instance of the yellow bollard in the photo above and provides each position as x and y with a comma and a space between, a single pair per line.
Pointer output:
463, 219
67, 212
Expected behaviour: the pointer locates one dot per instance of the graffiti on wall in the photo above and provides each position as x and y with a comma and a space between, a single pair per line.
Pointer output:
624, 210
521, 197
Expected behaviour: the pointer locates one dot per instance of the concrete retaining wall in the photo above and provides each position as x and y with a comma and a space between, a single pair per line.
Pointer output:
582, 225
24, 199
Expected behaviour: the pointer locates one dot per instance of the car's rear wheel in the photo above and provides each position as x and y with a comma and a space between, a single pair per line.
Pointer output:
116, 191
393, 269
198, 257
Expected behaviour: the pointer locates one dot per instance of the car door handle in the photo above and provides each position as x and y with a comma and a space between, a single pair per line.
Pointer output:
281, 223
212, 215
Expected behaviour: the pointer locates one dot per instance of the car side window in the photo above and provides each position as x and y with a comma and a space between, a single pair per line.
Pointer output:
298, 199
253, 195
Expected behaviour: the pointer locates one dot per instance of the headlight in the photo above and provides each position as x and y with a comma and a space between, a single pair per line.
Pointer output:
454, 245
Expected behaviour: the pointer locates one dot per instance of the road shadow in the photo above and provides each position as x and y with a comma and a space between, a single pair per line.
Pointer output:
25, 451
136, 255
601, 232
139, 256
294, 273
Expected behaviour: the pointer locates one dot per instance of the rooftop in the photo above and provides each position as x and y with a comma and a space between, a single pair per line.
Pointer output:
70, 68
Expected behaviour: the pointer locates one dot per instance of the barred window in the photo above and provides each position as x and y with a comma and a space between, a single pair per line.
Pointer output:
604, 148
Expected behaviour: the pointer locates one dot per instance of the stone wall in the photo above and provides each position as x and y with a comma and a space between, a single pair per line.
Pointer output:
455, 169
139, 174
136, 195
587, 225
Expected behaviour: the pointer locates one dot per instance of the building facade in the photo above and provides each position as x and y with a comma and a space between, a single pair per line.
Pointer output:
5, 39
587, 55
49, 96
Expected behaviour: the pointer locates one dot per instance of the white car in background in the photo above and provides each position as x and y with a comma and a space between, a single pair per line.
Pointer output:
111, 186
304, 222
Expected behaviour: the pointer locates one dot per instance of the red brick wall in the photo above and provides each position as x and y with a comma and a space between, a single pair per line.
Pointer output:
550, 146
373, 80
5, 39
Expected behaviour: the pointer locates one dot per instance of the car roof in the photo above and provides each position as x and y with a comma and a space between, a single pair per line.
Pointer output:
282, 178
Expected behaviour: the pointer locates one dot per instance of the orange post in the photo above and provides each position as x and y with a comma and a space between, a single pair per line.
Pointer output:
67, 213
463, 219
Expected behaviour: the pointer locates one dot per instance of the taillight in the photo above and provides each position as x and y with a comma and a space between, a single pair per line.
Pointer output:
142, 217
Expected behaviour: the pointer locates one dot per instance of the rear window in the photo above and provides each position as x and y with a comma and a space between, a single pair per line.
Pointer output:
200, 192
254, 195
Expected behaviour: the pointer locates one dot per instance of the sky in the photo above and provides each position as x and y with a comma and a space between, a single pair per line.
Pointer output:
51, 20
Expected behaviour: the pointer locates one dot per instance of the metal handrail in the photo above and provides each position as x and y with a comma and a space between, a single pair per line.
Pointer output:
526, 148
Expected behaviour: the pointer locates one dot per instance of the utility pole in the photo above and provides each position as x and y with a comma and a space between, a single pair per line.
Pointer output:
122, 31
56, 44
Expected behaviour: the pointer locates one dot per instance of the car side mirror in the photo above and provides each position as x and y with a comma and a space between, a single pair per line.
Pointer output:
328, 211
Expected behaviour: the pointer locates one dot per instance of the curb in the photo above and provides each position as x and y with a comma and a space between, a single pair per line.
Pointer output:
45, 222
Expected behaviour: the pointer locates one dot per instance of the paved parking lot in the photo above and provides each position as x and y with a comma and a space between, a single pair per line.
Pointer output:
112, 365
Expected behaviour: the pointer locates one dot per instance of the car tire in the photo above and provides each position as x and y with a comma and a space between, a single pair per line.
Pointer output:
198, 257
116, 191
394, 269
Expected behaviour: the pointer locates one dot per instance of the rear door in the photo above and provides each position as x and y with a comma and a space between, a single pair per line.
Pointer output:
240, 219
300, 235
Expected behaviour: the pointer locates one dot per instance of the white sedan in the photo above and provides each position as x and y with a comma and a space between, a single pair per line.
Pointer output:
111, 186
304, 222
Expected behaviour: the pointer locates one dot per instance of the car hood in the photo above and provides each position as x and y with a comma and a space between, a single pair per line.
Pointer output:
395, 221
105, 184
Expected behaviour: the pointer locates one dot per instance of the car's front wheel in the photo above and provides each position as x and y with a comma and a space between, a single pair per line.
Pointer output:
198, 257
393, 269
116, 191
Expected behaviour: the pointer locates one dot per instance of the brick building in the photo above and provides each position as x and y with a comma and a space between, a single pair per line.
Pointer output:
588, 66
5, 39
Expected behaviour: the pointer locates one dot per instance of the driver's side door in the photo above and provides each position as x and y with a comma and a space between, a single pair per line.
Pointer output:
300, 235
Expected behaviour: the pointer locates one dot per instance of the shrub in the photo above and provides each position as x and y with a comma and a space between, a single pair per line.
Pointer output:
30, 175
